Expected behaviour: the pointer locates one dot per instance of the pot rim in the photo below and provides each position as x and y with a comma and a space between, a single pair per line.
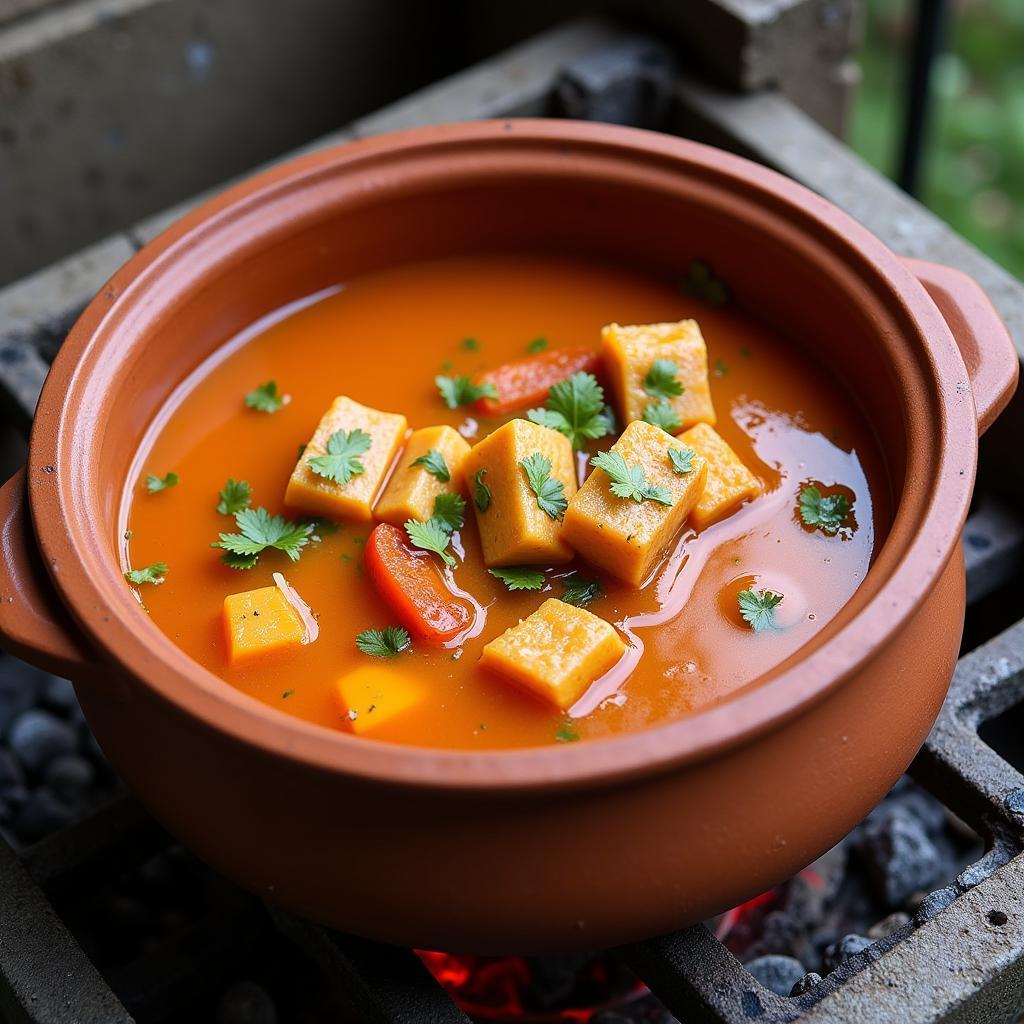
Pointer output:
64, 503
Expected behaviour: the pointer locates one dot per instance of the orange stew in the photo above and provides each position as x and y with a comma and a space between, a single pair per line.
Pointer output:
381, 340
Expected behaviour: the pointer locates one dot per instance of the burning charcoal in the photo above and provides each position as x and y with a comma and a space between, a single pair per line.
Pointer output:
805, 984
926, 809
245, 1002
58, 695
777, 973
841, 951
553, 979
900, 856
892, 923
37, 737
609, 1017
934, 902
70, 776
41, 813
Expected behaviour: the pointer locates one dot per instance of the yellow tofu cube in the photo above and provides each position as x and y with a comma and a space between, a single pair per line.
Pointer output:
729, 481
630, 351
260, 622
626, 537
371, 695
514, 530
411, 491
314, 493
555, 653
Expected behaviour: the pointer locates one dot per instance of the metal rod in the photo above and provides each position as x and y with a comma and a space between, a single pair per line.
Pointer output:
929, 38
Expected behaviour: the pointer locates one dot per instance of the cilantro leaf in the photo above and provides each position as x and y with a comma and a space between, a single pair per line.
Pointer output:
235, 496
662, 379
383, 643
265, 398
661, 414
520, 577
433, 462
630, 481
576, 408
449, 511
579, 590
154, 573
682, 460
828, 514
457, 391
259, 531
702, 283
537, 345
758, 608
431, 536
481, 492
157, 483
341, 462
550, 492
567, 732
471, 344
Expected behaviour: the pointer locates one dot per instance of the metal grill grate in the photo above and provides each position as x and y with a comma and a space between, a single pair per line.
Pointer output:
960, 959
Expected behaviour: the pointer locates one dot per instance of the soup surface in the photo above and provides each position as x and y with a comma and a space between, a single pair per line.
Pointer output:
381, 339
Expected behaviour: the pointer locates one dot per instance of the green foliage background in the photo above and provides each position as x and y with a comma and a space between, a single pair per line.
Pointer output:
974, 165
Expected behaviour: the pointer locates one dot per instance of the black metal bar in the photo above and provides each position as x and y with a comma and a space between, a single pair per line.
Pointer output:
45, 978
384, 984
929, 37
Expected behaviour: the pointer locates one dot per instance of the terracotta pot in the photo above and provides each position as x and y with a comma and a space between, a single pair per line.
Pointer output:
565, 847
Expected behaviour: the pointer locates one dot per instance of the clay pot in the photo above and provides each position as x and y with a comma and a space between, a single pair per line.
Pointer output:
577, 846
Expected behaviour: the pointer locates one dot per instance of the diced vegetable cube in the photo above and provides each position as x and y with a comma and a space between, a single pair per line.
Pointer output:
346, 484
627, 537
515, 529
630, 353
555, 653
371, 695
729, 480
527, 382
411, 491
259, 622
411, 583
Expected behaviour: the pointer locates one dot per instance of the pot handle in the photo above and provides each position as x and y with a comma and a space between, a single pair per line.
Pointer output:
984, 342
33, 626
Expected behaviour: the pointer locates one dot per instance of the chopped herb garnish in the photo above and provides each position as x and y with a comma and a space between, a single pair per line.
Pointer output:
702, 283
458, 391
661, 414
580, 591
662, 380
431, 536
721, 369
682, 460
287, 694
450, 511
154, 573
828, 514
520, 577
550, 492
745, 352
128, 534
447, 365
471, 344
758, 608
383, 643
259, 531
341, 462
265, 398
481, 492
630, 481
235, 496
537, 345
161, 483
433, 462
576, 408
567, 732
346, 558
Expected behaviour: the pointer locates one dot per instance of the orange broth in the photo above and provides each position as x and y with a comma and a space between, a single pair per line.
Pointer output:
381, 339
